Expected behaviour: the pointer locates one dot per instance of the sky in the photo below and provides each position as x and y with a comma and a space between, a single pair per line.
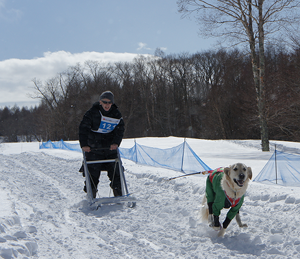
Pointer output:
44, 212
36, 33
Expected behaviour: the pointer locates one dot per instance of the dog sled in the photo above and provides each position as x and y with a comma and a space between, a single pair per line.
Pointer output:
126, 198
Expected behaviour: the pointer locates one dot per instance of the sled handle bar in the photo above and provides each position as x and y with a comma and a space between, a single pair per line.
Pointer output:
102, 161
100, 148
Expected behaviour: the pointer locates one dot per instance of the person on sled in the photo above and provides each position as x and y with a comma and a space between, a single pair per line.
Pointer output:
100, 134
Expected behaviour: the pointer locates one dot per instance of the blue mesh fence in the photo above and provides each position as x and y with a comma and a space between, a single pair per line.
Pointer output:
282, 168
60, 145
180, 158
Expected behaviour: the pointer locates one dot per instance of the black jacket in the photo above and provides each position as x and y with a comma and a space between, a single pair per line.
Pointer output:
91, 122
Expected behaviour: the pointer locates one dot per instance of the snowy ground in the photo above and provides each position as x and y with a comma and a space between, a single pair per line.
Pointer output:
44, 213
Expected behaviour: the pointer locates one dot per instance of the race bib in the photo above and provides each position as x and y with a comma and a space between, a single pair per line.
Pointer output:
107, 124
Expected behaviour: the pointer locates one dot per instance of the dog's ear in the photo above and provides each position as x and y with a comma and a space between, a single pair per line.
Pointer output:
249, 172
227, 171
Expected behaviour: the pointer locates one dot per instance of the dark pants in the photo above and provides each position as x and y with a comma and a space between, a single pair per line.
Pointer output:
112, 169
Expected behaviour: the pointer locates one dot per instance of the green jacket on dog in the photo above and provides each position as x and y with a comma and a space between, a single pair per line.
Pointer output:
217, 199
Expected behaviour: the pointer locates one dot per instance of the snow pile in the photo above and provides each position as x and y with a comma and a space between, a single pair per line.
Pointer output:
44, 213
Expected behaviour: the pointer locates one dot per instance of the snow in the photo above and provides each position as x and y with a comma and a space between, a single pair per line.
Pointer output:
44, 212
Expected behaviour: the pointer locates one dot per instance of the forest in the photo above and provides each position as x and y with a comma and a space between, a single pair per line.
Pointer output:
207, 95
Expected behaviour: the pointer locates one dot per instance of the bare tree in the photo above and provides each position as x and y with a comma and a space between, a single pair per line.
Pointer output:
246, 21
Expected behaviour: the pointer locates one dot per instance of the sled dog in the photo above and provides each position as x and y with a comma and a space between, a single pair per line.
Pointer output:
225, 188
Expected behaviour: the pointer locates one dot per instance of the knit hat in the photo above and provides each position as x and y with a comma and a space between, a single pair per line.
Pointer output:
107, 95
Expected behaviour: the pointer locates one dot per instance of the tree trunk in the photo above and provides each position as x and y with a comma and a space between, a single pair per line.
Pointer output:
262, 96
258, 75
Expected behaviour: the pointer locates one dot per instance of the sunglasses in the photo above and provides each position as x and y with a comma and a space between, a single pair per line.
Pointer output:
105, 102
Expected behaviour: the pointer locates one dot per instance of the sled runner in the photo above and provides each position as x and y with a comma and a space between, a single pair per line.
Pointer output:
126, 198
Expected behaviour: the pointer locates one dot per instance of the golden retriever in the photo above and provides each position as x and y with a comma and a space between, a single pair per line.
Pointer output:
225, 188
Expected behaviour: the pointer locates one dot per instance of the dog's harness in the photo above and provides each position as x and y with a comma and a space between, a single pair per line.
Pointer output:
232, 201
212, 173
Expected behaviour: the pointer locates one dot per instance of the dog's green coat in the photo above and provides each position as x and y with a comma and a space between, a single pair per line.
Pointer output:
215, 194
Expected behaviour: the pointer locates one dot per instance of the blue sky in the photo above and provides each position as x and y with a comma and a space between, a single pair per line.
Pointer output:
35, 33
31, 27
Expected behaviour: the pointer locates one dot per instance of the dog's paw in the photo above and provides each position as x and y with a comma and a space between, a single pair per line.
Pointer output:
221, 232
243, 225
217, 228
211, 219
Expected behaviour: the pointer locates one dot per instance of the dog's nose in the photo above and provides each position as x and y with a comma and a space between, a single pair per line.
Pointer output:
241, 176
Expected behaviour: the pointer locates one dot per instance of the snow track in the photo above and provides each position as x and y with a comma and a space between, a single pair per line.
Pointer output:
50, 218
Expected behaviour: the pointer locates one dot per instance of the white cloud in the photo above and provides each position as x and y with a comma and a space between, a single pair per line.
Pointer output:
142, 46
16, 75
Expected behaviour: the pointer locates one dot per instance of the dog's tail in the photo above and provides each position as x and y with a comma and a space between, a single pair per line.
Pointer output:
204, 210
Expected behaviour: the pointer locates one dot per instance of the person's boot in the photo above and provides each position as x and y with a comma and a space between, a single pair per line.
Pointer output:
81, 170
94, 192
117, 192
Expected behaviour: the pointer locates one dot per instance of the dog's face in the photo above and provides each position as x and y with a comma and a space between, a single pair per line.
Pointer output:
238, 174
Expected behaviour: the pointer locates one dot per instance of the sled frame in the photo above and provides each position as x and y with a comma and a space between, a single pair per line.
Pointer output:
97, 202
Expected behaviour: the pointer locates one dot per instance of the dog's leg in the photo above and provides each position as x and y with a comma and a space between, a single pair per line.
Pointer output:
211, 220
225, 225
227, 222
239, 221
206, 212
221, 232
216, 223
